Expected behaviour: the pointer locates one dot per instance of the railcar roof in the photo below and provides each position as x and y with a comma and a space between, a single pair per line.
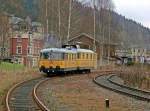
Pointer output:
85, 50
57, 50
65, 50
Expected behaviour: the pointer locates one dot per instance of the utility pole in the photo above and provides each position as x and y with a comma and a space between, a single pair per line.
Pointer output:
101, 34
47, 22
3, 46
59, 23
109, 37
94, 44
69, 20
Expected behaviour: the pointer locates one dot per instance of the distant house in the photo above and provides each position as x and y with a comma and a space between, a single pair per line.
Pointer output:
138, 53
25, 50
37, 27
86, 41
26, 41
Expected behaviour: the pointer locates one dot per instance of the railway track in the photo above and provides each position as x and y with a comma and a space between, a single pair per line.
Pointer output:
23, 97
107, 82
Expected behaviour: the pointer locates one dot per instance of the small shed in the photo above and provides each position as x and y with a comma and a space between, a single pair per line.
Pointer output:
85, 41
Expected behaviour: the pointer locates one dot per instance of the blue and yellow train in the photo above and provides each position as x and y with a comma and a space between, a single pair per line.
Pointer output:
67, 59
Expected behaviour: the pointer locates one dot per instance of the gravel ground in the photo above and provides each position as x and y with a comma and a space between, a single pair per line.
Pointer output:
79, 93
117, 79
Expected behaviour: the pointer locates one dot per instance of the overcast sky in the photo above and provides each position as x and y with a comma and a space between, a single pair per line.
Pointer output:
138, 10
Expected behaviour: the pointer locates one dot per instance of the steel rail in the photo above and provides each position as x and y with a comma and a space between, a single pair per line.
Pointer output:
15, 99
36, 98
34, 92
125, 86
106, 82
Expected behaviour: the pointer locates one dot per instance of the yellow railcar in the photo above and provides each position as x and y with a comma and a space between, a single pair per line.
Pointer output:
61, 60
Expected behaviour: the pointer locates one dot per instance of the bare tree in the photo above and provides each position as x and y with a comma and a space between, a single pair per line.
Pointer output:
70, 17
4, 33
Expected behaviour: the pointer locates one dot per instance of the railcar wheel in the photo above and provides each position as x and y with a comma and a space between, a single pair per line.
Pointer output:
89, 71
42, 69
48, 75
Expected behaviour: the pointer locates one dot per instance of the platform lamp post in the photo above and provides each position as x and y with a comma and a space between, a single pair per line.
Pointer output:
29, 47
94, 25
69, 20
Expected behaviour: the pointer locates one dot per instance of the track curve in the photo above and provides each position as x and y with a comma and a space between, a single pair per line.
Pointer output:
20, 97
106, 82
38, 101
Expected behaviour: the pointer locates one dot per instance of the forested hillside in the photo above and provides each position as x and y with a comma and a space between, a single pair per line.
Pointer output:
21, 8
131, 32
122, 30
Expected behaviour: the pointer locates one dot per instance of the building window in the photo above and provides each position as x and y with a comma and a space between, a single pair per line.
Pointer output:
35, 50
34, 62
19, 39
3, 49
19, 50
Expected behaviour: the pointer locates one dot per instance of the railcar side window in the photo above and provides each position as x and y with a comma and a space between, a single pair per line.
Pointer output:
91, 56
78, 55
65, 56
86, 56
74, 56
52, 55
55, 56
83, 56
69, 57
94, 57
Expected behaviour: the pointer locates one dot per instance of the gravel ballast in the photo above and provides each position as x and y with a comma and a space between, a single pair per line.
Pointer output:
80, 93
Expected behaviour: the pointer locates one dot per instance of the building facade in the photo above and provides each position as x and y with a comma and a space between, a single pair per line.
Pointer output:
87, 42
25, 50
26, 41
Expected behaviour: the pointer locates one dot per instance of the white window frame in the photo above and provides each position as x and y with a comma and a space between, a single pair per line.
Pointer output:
34, 62
17, 50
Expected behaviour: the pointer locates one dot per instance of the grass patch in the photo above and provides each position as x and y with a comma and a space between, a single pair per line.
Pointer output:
10, 67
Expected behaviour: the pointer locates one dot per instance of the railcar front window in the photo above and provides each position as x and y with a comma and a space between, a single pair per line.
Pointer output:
52, 55
45, 55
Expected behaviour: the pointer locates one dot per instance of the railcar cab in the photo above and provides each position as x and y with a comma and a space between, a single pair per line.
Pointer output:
54, 60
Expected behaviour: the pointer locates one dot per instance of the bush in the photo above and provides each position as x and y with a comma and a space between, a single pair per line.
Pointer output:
130, 63
136, 77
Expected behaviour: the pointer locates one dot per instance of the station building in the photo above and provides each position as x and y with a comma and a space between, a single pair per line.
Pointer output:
86, 41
